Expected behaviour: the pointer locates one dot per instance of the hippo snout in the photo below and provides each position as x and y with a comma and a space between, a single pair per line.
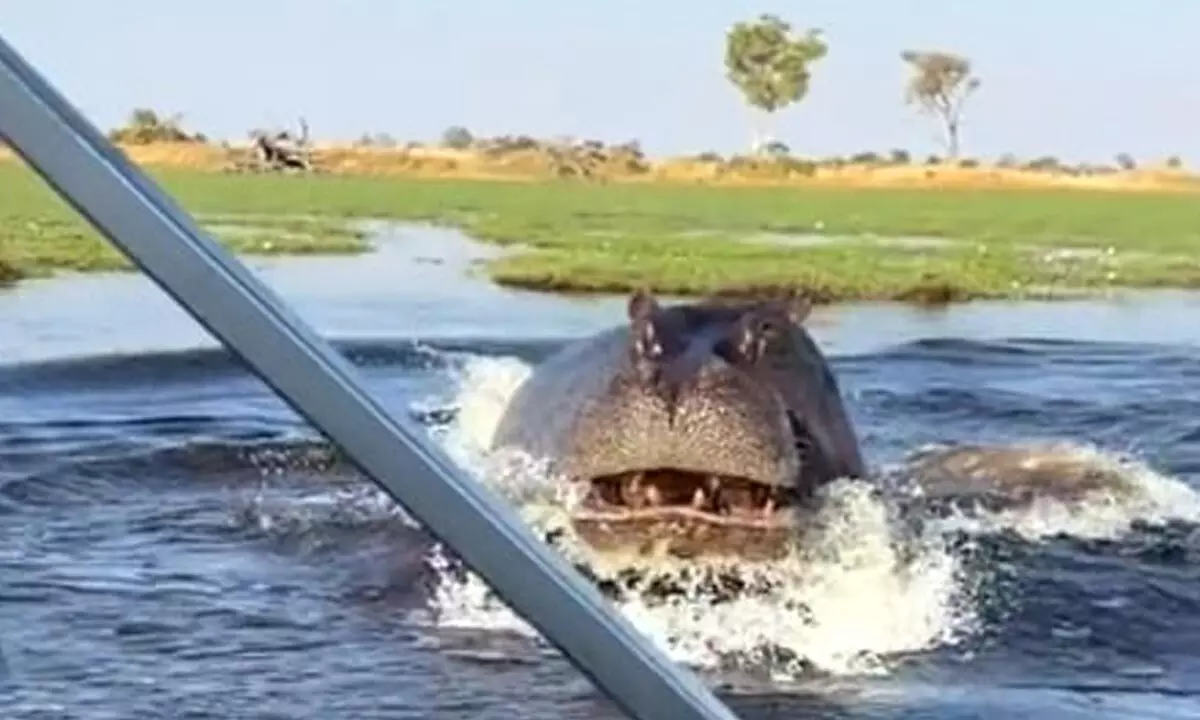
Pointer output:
714, 420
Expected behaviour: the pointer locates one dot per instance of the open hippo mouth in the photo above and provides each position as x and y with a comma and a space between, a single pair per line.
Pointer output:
686, 514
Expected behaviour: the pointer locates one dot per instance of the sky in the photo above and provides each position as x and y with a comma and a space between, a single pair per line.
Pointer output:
1079, 80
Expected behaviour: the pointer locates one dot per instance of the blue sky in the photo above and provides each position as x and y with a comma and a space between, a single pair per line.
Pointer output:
1053, 72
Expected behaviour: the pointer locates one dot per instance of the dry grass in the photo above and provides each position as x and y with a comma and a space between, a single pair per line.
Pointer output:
533, 165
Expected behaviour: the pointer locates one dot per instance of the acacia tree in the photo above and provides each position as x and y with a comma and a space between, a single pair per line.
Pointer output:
940, 85
769, 65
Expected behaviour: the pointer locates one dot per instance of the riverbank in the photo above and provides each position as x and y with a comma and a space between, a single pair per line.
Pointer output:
838, 243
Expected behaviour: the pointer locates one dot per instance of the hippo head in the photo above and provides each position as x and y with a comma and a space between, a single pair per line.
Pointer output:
695, 447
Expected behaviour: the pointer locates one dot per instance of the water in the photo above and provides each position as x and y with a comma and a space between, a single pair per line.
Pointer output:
175, 543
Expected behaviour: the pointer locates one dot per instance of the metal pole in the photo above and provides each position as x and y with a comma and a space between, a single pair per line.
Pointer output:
141, 220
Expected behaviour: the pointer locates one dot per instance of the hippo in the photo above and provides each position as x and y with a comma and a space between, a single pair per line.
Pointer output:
696, 429
999, 478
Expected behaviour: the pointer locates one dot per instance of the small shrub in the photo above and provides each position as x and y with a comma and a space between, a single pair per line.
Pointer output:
900, 157
776, 148
1045, 163
457, 137
1125, 161
772, 168
866, 158
376, 140
145, 127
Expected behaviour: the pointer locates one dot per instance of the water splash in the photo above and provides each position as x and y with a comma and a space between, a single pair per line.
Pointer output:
1141, 495
865, 590
863, 595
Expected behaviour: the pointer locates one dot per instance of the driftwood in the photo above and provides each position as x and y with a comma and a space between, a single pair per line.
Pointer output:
278, 151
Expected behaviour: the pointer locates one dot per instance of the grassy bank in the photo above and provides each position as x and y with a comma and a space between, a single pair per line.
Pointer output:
911, 244
40, 234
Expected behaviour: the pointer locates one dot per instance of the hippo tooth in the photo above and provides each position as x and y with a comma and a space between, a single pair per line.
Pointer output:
698, 498
713, 482
769, 507
653, 496
631, 491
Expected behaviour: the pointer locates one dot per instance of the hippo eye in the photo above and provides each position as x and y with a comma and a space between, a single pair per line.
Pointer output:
648, 347
766, 328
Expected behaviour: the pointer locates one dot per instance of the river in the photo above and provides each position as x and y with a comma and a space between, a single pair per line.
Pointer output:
177, 544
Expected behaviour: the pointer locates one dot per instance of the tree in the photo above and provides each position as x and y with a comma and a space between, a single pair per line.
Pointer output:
940, 85
769, 64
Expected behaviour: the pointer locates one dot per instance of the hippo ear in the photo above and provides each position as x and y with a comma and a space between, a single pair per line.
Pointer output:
752, 333
646, 343
641, 306
796, 306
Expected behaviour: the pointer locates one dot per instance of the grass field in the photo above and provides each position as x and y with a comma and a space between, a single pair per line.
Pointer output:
40, 234
846, 243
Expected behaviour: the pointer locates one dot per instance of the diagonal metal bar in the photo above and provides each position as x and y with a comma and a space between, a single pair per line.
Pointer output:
141, 220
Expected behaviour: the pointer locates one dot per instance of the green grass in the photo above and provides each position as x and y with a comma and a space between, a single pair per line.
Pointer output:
685, 239
40, 234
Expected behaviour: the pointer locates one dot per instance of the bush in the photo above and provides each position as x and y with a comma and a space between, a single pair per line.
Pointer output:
1044, 163
776, 148
866, 158
376, 140
774, 168
145, 127
804, 168
457, 137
